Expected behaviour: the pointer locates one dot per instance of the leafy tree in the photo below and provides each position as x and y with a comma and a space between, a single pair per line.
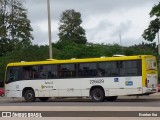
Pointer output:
154, 26
70, 29
64, 50
15, 28
29, 53
142, 49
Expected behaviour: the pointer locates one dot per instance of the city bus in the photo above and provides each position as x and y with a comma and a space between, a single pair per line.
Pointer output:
100, 79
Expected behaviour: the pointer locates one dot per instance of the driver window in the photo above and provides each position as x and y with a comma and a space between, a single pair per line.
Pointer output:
12, 74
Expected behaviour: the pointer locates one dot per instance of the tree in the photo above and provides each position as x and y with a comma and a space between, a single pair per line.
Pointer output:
70, 29
154, 26
142, 49
15, 28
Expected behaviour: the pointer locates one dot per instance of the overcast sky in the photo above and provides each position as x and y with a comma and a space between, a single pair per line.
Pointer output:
102, 19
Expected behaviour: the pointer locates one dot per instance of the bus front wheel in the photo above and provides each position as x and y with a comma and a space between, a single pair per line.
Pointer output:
29, 95
97, 95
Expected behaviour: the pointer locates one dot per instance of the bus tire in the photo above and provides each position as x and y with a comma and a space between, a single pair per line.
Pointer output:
43, 98
97, 95
29, 95
111, 98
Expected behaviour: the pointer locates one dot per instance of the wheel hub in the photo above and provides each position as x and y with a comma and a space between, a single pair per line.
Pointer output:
29, 95
97, 95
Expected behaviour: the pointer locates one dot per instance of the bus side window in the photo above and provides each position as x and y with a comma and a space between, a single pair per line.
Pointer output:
101, 72
108, 69
87, 70
25, 74
43, 74
30, 72
13, 74
129, 68
67, 70
47, 71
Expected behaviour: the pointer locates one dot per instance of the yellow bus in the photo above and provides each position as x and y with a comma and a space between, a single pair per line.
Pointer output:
97, 78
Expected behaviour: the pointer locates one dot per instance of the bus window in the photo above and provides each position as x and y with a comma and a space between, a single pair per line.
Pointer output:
87, 69
13, 74
67, 70
129, 68
108, 69
43, 72
52, 71
30, 72
48, 71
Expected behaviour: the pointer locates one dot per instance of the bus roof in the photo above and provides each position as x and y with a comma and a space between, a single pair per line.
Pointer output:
55, 61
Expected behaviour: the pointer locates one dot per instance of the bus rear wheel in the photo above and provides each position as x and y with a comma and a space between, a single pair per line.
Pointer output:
111, 98
43, 98
97, 95
29, 95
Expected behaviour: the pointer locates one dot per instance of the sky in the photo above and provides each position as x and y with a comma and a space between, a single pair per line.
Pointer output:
103, 20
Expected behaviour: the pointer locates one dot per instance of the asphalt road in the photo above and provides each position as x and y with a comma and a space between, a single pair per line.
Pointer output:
144, 101
123, 103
